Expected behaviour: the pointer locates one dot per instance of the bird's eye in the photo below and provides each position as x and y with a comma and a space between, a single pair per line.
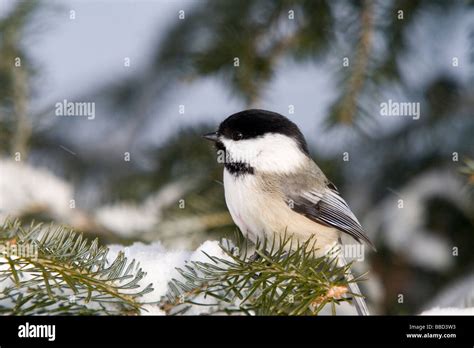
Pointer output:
238, 136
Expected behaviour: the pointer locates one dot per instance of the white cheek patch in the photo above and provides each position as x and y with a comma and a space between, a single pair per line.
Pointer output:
274, 153
242, 151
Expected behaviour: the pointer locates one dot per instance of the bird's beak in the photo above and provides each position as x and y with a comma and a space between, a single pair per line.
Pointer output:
211, 136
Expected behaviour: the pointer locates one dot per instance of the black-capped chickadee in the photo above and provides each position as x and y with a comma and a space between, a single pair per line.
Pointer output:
273, 187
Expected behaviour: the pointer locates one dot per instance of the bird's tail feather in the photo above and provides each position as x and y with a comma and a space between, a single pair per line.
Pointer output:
358, 300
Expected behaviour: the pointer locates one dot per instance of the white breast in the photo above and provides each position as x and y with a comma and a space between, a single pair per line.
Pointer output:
242, 199
260, 215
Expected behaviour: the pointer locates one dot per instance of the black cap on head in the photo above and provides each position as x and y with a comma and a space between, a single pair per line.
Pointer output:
254, 123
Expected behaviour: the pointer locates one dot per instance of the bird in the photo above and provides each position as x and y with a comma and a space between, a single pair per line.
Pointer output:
272, 186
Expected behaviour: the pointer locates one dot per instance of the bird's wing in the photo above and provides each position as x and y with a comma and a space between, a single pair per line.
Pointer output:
326, 206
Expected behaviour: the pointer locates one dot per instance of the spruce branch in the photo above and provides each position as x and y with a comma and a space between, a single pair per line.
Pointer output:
16, 77
347, 106
46, 270
273, 281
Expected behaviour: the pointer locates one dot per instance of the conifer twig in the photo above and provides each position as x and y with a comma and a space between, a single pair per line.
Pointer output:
277, 282
46, 270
